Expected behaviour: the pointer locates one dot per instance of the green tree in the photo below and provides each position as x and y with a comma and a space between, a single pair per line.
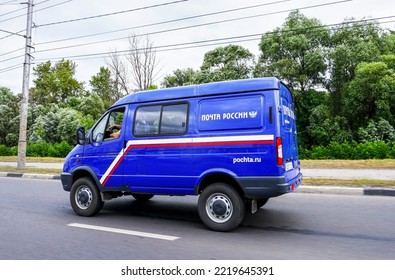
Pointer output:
352, 43
69, 121
34, 119
305, 103
325, 128
56, 126
226, 63
9, 121
103, 86
389, 42
55, 83
50, 123
180, 77
380, 130
370, 95
295, 53
92, 106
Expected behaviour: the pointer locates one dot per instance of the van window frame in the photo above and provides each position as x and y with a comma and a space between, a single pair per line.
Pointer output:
160, 133
106, 117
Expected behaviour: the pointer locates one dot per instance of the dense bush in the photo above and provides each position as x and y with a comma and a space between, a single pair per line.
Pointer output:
41, 149
44, 149
350, 150
59, 149
347, 150
7, 151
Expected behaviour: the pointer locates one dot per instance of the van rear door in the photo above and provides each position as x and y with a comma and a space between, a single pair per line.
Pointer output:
290, 160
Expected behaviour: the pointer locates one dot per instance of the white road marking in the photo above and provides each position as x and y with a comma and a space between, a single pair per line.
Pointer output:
124, 231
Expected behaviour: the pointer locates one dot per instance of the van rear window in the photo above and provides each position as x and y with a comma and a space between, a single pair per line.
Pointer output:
231, 113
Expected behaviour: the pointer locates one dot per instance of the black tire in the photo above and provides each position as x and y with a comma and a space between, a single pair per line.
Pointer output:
85, 197
142, 196
220, 207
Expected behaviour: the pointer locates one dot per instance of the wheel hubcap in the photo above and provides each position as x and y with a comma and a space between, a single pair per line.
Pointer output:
219, 208
83, 197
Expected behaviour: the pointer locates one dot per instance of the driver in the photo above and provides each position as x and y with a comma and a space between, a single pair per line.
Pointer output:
117, 133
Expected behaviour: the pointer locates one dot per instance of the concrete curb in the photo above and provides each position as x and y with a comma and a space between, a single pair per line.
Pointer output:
330, 190
302, 189
346, 190
30, 175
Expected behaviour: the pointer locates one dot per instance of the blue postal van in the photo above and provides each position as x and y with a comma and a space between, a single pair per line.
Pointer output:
233, 143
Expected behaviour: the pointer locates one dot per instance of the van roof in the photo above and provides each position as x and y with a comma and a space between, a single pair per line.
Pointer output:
235, 86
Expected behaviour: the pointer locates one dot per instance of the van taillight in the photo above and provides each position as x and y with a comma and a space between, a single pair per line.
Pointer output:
279, 150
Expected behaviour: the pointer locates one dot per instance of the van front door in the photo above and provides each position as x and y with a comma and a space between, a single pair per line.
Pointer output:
105, 145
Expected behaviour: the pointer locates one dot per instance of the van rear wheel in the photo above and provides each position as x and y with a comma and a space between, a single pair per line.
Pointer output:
85, 198
220, 207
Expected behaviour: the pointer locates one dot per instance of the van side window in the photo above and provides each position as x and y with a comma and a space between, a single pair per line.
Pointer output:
147, 120
161, 120
108, 128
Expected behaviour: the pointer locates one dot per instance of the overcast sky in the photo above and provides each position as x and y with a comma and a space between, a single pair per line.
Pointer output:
58, 21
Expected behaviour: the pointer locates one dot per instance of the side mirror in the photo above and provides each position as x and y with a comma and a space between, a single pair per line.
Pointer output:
81, 136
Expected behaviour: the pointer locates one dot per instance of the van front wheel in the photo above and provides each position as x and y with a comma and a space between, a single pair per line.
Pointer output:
85, 198
220, 207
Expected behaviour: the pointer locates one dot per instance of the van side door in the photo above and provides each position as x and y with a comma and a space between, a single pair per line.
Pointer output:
157, 159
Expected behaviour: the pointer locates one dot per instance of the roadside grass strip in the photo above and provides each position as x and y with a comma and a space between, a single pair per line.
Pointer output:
31, 170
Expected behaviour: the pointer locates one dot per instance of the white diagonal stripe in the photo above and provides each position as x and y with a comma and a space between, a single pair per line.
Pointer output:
124, 231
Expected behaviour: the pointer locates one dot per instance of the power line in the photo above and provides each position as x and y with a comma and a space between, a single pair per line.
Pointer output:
178, 46
3, 54
11, 12
233, 38
9, 2
58, 4
10, 68
111, 14
12, 58
11, 33
203, 43
163, 22
196, 25
37, 10
210, 42
20, 8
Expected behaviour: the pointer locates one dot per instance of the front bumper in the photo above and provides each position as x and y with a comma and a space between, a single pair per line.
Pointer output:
67, 180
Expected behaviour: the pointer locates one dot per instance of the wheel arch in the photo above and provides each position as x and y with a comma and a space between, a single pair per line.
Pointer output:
219, 177
84, 171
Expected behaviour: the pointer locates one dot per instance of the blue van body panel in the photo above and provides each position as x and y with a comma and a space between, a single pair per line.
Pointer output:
218, 88
230, 132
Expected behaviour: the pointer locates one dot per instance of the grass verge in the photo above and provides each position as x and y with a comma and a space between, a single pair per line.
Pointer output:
349, 183
349, 164
32, 159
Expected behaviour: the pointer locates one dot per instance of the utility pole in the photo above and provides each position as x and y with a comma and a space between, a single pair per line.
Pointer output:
25, 89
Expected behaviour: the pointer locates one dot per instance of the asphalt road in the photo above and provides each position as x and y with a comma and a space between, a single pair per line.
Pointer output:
37, 222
